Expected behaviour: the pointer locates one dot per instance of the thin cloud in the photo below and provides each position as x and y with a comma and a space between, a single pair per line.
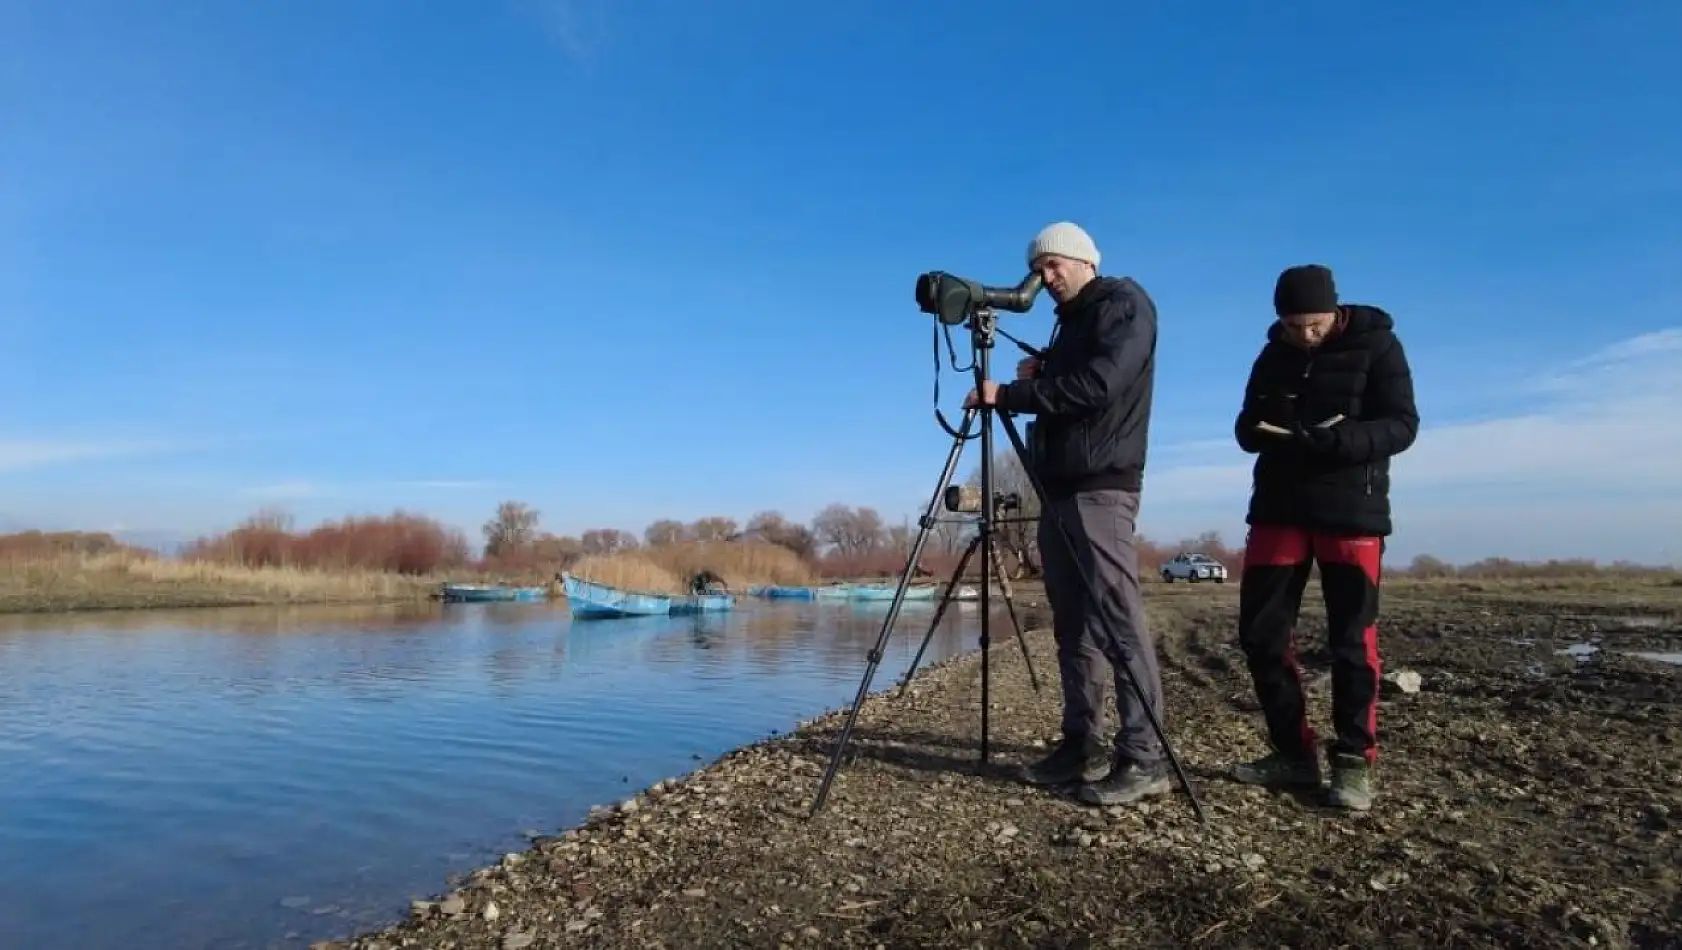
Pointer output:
17, 455
578, 27
445, 484
1610, 426
288, 490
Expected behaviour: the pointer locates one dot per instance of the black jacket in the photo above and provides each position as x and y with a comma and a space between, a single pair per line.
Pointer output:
1337, 480
1093, 391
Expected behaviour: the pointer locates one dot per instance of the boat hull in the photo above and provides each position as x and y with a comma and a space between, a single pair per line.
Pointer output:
593, 601
702, 604
872, 592
491, 593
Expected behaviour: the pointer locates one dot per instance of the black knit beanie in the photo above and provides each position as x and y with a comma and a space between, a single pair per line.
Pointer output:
1308, 288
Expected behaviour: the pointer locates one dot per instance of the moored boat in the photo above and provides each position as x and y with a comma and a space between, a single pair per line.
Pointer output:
590, 600
882, 592
491, 593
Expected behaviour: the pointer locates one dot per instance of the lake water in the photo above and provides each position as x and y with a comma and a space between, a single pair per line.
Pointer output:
265, 778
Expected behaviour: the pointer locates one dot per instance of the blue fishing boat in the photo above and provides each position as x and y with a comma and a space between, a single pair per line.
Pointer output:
491, 593
702, 604
886, 593
589, 600
776, 592
881, 592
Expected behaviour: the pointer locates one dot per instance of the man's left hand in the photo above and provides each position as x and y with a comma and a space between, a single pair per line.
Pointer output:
988, 395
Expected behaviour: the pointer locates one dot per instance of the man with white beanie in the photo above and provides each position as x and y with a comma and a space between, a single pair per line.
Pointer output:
1090, 392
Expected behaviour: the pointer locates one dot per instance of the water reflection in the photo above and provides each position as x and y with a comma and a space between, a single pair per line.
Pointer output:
226, 778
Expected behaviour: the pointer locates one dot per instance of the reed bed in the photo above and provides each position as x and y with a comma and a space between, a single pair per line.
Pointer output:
120, 580
667, 569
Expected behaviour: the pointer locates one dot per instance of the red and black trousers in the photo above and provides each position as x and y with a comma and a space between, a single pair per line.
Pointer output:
1277, 562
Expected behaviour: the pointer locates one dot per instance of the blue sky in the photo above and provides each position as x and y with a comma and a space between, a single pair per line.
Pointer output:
655, 258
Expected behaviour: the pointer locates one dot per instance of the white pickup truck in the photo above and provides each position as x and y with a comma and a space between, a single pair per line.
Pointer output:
1193, 568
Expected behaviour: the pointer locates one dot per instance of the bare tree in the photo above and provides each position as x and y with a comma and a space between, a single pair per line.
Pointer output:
270, 518
715, 528
898, 539
511, 530
850, 531
550, 549
607, 541
772, 528
664, 532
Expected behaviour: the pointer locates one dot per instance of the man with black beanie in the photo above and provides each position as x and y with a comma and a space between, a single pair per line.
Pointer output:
1328, 403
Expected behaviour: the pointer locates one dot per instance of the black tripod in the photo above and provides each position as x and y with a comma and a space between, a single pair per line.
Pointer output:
982, 323
946, 599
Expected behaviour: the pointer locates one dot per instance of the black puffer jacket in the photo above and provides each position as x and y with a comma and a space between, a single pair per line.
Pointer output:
1093, 392
1342, 484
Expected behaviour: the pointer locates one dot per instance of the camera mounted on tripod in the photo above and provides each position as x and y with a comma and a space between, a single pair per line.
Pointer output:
966, 500
953, 300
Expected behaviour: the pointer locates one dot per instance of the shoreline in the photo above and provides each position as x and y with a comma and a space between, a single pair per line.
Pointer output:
21, 605
1475, 840
82, 594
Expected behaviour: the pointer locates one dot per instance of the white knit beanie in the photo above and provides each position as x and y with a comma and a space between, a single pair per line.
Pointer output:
1064, 239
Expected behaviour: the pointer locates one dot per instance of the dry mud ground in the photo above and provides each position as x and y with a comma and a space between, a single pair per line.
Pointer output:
1527, 799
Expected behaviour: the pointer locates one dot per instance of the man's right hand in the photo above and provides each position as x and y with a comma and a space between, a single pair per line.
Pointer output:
1028, 368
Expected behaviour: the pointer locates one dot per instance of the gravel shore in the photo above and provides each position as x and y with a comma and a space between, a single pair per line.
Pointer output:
1527, 798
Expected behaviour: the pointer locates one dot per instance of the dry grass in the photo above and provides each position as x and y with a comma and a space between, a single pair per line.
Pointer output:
121, 580
741, 563
630, 571
667, 569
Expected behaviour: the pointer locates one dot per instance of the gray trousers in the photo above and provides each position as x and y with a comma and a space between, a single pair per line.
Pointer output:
1101, 525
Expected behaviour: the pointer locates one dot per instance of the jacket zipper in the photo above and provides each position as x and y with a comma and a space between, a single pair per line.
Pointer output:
1367, 471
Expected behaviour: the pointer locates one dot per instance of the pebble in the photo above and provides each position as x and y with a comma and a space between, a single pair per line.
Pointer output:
517, 940
1404, 682
491, 911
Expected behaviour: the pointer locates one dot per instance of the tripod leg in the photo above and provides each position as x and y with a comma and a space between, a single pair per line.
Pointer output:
1010, 605
1095, 601
927, 523
939, 612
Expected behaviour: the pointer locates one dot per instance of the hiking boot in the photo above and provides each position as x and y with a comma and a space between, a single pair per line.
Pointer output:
1127, 783
1074, 760
1278, 770
1352, 783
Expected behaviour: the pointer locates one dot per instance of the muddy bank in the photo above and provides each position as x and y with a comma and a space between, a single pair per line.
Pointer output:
1527, 799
